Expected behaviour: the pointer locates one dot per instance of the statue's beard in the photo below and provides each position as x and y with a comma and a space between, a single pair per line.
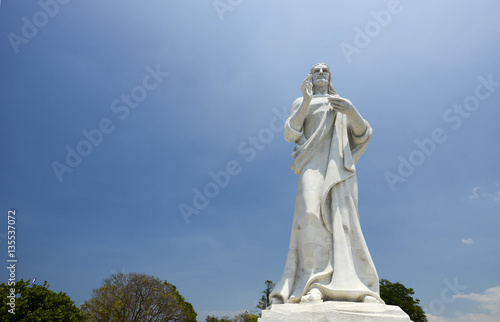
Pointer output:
321, 82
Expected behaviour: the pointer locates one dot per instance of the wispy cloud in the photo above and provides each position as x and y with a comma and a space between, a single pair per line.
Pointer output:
490, 300
467, 241
494, 196
474, 194
478, 317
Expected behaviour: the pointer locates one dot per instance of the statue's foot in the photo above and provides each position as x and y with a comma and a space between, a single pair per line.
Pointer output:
370, 299
276, 300
312, 296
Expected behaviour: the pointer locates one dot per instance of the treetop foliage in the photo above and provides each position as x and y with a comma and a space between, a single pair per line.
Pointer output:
137, 297
398, 294
38, 303
264, 300
242, 317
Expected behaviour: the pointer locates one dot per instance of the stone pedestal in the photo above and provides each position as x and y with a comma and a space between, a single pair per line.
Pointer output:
335, 311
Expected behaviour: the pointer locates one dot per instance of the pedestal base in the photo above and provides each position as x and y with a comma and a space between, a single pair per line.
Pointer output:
335, 311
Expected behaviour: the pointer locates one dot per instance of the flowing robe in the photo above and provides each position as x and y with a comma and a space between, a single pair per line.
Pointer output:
327, 248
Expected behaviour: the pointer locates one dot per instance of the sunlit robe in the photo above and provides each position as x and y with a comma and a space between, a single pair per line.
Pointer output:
327, 248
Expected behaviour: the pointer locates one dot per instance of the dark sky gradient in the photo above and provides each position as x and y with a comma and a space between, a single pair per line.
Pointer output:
228, 82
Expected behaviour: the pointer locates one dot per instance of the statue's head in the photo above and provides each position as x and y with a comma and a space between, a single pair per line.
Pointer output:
322, 76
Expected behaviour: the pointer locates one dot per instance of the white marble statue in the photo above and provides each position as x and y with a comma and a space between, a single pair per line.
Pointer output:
328, 259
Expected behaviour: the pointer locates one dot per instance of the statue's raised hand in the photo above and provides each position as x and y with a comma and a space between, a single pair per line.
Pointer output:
307, 88
340, 105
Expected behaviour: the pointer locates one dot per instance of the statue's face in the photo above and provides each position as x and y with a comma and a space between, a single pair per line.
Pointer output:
320, 75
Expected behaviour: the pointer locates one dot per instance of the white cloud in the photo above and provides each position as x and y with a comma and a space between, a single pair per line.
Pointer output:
479, 317
436, 318
467, 241
490, 300
495, 196
474, 194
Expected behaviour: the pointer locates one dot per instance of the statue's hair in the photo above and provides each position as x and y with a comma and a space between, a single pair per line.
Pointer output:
331, 90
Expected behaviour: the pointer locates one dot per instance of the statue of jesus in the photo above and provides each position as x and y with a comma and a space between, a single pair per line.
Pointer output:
328, 259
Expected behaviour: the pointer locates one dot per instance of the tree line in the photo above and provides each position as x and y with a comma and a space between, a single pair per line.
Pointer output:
141, 297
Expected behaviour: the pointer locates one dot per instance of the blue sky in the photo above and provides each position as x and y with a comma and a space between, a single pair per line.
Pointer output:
179, 92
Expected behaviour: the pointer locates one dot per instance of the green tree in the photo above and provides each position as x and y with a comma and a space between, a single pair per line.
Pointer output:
246, 317
213, 318
137, 297
264, 300
398, 294
242, 317
37, 303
